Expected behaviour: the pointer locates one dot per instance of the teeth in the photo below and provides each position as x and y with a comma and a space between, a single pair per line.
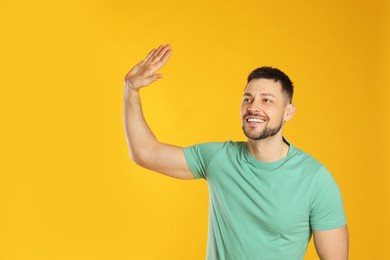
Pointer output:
256, 120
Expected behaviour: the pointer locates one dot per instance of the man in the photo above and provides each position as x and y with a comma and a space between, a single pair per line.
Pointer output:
266, 196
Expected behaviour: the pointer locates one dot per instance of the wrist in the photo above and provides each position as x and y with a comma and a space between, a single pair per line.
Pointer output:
130, 92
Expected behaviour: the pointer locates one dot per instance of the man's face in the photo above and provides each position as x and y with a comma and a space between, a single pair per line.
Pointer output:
263, 109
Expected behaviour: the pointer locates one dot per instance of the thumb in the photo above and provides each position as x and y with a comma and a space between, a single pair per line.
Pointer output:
149, 80
155, 77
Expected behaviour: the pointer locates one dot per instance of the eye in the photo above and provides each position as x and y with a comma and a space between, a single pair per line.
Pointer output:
246, 100
266, 100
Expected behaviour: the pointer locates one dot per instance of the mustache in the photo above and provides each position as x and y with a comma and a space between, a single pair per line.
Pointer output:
255, 115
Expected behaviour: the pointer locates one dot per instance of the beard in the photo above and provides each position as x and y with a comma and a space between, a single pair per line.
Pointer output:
265, 133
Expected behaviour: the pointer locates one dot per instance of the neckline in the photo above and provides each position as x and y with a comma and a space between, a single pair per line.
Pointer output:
269, 165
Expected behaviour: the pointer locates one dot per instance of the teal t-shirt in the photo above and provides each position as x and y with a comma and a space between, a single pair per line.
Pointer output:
264, 210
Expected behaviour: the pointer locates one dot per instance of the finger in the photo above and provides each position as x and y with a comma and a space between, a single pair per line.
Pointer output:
157, 76
152, 79
150, 54
147, 57
161, 53
153, 58
165, 57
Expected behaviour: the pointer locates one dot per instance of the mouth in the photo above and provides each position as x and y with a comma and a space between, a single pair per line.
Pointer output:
255, 120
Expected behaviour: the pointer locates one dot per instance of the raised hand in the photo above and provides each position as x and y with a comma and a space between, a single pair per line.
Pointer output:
144, 73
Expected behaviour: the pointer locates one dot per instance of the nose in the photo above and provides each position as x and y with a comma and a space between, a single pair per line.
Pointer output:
253, 108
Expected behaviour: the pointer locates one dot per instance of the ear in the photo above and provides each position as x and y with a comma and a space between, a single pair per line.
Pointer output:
289, 112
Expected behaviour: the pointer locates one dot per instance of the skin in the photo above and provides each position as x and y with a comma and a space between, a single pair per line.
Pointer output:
263, 100
332, 244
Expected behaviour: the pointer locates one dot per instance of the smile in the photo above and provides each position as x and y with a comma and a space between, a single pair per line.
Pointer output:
255, 120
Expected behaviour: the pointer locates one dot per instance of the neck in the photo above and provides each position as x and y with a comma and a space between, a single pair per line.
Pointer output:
270, 149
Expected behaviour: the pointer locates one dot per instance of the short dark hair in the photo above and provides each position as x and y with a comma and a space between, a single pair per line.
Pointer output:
277, 75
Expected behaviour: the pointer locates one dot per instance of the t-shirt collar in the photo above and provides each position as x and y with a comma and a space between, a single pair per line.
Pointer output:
269, 165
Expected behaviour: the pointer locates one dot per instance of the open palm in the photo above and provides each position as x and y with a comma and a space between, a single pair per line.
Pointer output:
144, 73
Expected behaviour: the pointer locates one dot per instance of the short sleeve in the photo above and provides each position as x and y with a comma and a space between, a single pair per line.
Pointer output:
327, 209
199, 156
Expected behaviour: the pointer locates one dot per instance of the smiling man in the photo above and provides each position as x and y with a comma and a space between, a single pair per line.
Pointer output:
267, 197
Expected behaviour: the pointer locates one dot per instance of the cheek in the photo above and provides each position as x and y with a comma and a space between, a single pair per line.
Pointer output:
276, 114
242, 110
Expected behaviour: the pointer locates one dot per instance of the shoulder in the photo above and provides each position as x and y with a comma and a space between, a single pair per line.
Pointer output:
210, 150
215, 146
320, 177
312, 170
200, 156
309, 163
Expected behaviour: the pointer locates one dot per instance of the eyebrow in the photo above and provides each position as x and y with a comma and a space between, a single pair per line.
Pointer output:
262, 94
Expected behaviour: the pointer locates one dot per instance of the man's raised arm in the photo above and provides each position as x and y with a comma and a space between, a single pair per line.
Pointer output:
144, 148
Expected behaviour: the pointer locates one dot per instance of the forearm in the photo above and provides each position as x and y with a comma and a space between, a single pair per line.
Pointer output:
140, 138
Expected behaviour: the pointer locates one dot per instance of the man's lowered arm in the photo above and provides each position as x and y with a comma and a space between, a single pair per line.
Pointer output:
332, 244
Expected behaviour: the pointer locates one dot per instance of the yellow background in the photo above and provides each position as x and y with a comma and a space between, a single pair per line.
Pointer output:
68, 189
